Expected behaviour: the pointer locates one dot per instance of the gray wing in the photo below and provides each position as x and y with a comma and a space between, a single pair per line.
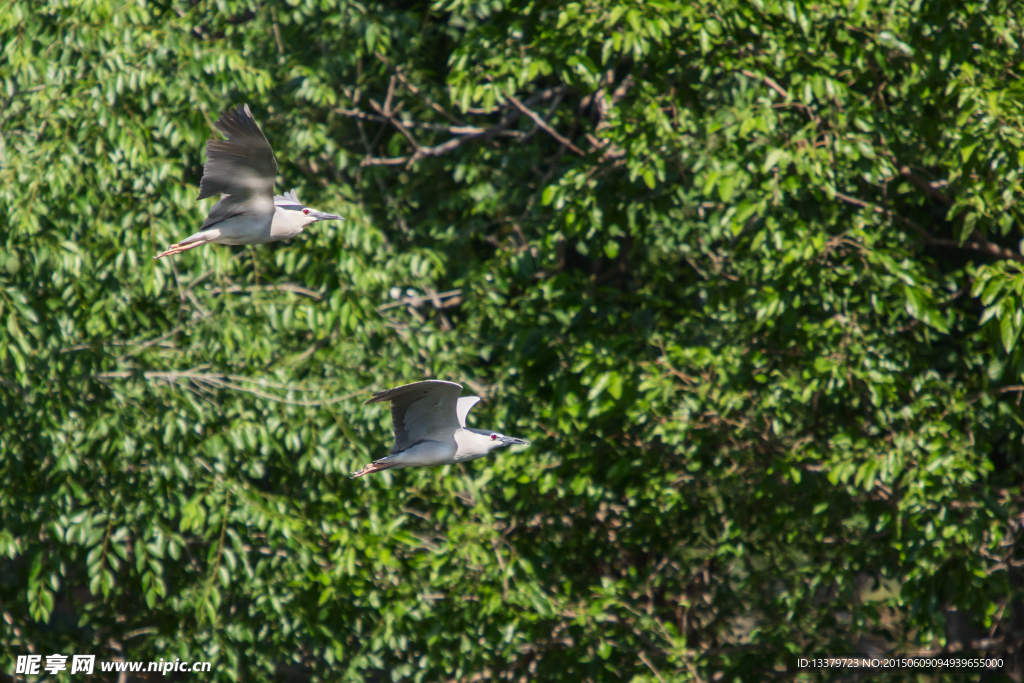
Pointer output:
287, 199
423, 410
230, 205
243, 166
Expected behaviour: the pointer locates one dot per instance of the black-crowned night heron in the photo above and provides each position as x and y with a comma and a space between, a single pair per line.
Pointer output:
241, 170
430, 427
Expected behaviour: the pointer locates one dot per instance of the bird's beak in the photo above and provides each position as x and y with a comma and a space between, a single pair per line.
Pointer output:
512, 441
320, 216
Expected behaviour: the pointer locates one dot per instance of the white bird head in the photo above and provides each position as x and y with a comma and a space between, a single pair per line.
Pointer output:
483, 442
476, 443
289, 211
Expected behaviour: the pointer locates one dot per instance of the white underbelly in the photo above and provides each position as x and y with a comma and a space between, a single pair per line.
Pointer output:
425, 454
284, 232
236, 230
244, 230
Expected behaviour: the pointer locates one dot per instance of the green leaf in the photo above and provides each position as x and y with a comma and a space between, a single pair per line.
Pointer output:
1009, 330
773, 158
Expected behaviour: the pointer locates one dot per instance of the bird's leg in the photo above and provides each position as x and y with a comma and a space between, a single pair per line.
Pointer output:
372, 467
178, 248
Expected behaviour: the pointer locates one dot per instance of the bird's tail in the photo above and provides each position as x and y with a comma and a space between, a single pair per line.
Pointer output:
375, 466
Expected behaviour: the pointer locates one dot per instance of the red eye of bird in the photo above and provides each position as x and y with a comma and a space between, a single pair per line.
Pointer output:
493, 437
306, 211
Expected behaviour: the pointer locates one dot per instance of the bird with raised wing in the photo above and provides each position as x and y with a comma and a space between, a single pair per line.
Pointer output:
241, 170
430, 427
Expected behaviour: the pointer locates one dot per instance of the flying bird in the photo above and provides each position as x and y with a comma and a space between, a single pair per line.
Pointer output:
241, 170
430, 427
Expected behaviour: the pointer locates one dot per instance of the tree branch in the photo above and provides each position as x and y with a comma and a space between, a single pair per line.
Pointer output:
435, 299
284, 287
885, 212
389, 115
453, 296
418, 93
543, 125
152, 342
208, 273
767, 81
383, 161
485, 134
771, 83
645, 660
222, 381
975, 243
926, 187
452, 130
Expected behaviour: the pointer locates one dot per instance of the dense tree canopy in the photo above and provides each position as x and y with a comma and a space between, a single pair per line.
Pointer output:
746, 274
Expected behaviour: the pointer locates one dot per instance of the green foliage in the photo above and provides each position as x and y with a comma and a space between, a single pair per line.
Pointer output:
745, 274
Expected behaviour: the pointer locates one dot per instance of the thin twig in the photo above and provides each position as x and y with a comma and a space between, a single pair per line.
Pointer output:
926, 187
622, 89
416, 91
451, 130
277, 32
141, 632
142, 347
380, 181
208, 273
767, 81
316, 346
387, 98
543, 125
284, 287
362, 115
885, 212
645, 660
771, 83
450, 145
434, 297
221, 381
387, 114
384, 161
603, 106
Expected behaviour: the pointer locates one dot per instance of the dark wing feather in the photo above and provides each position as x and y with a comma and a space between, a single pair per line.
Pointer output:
243, 164
228, 206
